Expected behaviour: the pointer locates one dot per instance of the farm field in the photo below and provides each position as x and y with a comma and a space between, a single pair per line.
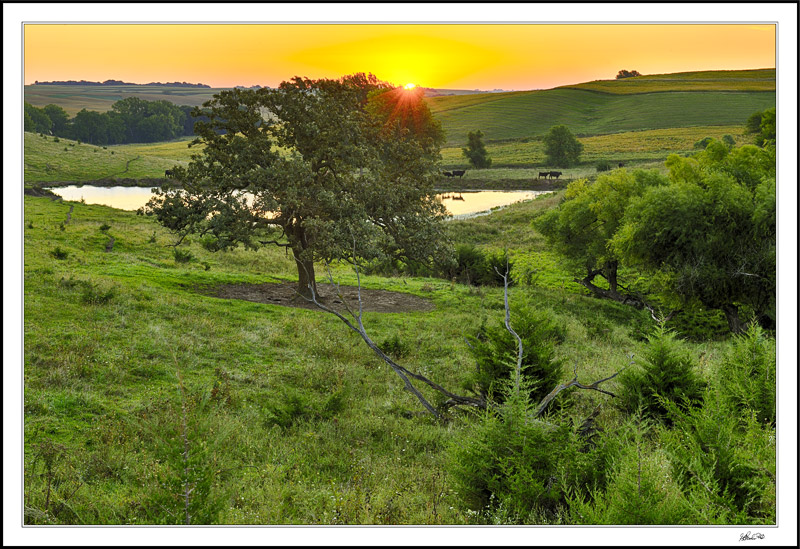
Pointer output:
757, 80
586, 113
100, 98
516, 161
639, 148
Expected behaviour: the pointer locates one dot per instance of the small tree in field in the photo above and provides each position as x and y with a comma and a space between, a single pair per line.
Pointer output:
325, 163
561, 147
475, 151
627, 74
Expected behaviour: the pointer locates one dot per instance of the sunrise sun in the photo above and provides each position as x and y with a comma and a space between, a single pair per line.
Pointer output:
410, 86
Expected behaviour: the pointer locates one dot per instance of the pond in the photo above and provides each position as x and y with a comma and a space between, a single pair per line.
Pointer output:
459, 204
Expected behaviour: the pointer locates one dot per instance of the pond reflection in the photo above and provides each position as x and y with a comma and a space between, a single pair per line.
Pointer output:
459, 204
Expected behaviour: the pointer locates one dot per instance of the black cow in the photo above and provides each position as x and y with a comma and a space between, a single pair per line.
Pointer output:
621, 164
555, 174
459, 173
544, 174
169, 173
447, 174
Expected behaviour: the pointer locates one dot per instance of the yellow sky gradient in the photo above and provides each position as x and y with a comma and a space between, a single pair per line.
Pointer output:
459, 56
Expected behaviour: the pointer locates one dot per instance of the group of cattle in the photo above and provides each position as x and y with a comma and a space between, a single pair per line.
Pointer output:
455, 173
550, 175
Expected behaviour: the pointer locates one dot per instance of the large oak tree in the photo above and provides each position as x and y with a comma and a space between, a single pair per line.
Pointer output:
331, 169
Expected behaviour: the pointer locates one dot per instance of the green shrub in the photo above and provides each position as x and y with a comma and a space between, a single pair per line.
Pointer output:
729, 140
56, 139
703, 143
104, 227
603, 166
640, 488
182, 256
475, 267
96, 295
747, 377
721, 461
495, 351
666, 371
508, 464
394, 346
58, 253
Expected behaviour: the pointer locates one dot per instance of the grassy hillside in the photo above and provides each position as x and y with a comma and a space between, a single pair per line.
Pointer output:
100, 98
529, 114
640, 148
288, 415
49, 160
757, 80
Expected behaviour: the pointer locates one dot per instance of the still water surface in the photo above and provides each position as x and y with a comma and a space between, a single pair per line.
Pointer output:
458, 204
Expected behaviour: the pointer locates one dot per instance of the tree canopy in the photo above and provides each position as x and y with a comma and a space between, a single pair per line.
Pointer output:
704, 234
711, 233
331, 169
475, 151
561, 147
582, 227
627, 74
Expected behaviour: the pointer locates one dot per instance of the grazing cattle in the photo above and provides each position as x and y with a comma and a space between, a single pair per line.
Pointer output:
168, 173
447, 174
555, 174
544, 174
621, 164
459, 173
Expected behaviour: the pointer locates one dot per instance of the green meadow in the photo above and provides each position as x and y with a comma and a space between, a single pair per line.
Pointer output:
150, 400
528, 114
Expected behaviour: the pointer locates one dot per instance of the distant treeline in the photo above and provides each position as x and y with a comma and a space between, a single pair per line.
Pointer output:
117, 83
130, 120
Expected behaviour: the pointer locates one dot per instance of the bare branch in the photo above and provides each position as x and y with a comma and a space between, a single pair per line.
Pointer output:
404, 373
575, 383
509, 328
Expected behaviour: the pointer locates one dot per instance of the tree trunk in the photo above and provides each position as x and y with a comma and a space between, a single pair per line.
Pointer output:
306, 277
610, 271
734, 322
305, 267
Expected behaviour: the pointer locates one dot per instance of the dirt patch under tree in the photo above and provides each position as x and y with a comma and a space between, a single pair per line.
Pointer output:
378, 301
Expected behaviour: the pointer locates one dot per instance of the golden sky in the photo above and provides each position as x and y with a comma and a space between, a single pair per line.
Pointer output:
460, 56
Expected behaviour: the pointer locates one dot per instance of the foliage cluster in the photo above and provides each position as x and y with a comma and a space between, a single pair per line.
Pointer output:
704, 234
666, 372
627, 74
495, 352
327, 195
475, 151
477, 267
561, 147
130, 120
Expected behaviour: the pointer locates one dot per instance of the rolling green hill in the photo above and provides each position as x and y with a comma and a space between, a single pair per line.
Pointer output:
48, 160
757, 80
100, 98
530, 114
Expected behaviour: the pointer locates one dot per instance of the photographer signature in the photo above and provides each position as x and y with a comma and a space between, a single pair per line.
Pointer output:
749, 537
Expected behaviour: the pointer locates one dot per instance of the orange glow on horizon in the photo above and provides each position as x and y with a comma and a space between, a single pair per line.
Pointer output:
448, 56
410, 86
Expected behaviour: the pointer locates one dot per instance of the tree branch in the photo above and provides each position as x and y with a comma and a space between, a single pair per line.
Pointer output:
401, 371
575, 383
509, 328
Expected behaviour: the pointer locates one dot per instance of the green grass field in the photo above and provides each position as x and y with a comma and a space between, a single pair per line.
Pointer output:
100, 98
646, 148
138, 382
757, 80
48, 160
586, 113
288, 415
